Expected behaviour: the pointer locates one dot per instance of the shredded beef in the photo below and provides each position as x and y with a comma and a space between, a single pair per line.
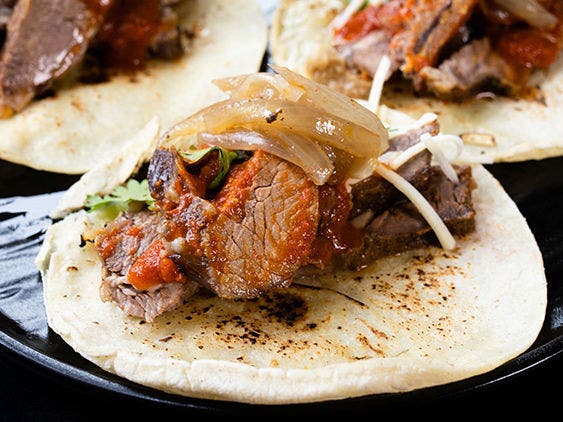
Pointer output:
473, 69
401, 227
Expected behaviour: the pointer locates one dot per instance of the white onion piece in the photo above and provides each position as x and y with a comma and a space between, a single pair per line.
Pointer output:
377, 85
531, 11
406, 155
451, 146
424, 120
285, 115
434, 147
291, 147
258, 85
320, 96
419, 201
340, 20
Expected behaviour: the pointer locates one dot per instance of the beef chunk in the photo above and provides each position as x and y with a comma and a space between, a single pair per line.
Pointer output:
434, 23
367, 52
473, 69
375, 193
255, 234
119, 244
146, 304
401, 227
125, 238
34, 54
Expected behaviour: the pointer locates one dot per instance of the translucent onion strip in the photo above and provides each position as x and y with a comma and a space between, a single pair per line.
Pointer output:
530, 11
288, 146
340, 105
422, 205
377, 85
435, 145
340, 20
304, 120
260, 85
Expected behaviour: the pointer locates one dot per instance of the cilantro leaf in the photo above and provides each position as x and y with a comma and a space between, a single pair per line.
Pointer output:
225, 159
121, 198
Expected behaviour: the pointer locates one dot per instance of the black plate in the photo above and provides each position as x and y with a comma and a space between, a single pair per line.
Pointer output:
26, 197
536, 187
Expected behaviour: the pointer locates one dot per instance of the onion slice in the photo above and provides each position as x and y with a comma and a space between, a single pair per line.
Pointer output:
333, 102
377, 85
434, 147
531, 11
422, 205
289, 146
304, 120
259, 85
340, 20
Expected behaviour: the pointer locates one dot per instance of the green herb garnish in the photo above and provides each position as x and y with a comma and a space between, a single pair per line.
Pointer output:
225, 158
122, 197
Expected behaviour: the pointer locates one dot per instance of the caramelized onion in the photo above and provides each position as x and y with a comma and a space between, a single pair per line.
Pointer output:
292, 117
531, 11
338, 104
304, 120
289, 146
259, 85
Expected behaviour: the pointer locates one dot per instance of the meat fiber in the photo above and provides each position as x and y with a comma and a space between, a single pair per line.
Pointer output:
473, 69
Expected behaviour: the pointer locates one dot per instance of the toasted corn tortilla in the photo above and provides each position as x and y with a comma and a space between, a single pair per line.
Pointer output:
510, 130
72, 131
410, 321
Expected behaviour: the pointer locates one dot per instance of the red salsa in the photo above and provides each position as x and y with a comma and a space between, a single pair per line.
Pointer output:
152, 268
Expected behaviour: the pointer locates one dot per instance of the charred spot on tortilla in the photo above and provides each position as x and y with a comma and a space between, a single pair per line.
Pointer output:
98, 38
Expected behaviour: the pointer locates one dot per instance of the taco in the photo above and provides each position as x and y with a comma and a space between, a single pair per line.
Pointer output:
69, 96
280, 247
491, 69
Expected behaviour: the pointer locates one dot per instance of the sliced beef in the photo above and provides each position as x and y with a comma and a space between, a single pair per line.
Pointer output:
251, 237
367, 52
375, 193
146, 304
34, 54
429, 27
255, 234
125, 238
407, 139
119, 245
401, 227
434, 23
473, 69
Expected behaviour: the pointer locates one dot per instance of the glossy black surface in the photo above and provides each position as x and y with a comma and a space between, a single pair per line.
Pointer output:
28, 344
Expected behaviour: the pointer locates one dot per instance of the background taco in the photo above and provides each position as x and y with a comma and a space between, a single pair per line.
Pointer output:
71, 130
468, 52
